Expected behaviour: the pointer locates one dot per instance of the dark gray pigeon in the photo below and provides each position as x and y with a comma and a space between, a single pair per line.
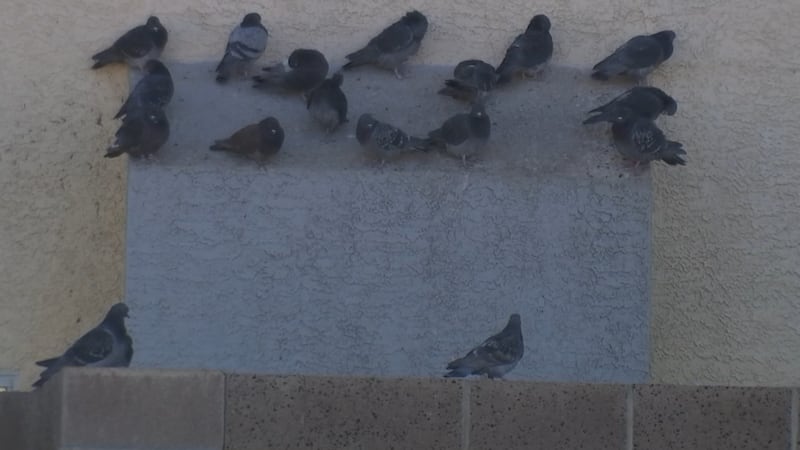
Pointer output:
529, 52
393, 46
262, 139
142, 133
637, 57
135, 47
106, 345
645, 101
328, 104
495, 357
246, 43
472, 80
155, 89
307, 70
384, 140
462, 135
641, 141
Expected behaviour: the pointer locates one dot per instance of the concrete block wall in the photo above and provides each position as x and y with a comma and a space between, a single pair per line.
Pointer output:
322, 262
84, 409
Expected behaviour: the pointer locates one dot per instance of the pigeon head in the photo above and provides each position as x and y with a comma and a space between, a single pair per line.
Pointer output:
417, 22
540, 22
665, 38
118, 312
155, 66
515, 321
306, 58
271, 131
157, 31
364, 127
251, 20
670, 105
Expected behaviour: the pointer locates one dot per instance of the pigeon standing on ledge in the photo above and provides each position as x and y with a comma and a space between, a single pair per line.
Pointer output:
496, 356
135, 47
384, 140
264, 138
462, 135
472, 80
393, 46
529, 52
142, 134
106, 345
307, 70
328, 104
246, 43
645, 101
640, 140
637, 57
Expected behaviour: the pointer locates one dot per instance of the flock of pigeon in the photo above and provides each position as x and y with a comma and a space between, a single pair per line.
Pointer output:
145, 127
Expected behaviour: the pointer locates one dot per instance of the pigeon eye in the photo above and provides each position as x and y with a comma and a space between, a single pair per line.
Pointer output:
272, 131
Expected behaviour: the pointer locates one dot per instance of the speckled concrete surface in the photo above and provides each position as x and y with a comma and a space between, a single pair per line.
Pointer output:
322, 262
725, 277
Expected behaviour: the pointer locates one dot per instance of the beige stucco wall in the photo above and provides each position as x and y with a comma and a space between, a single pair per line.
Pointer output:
726, 239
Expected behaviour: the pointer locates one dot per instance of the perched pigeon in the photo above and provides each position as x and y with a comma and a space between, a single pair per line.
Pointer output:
245, 44
495, 357
529, 52
472, 80
640, 140
394, 45
142, 133
106, 345
637, 57
263, 139
462, 135
328, 104
383, 139
645, 101
135, 47
307, 70
155, 89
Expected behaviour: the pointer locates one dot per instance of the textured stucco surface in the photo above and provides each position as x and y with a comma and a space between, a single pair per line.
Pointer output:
322, 262
725, 242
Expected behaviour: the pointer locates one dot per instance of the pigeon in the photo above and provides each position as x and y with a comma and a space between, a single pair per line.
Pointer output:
529, 52
472, 80
141, 134
106, 345
135, 47
383, 139
328, 104
307, 70
264, 139
155, 89
637, 57
462, 135
393, 46
640, 140
495, 357
647, 102
246, 43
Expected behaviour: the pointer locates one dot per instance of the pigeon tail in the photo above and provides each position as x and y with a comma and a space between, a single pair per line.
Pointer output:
600, 75
361, 57
602, 117
47, 362
458, 90
219, 146
672, 154
107, 56
114, 152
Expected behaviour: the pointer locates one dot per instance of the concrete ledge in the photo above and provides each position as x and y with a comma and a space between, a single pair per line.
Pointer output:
85, 409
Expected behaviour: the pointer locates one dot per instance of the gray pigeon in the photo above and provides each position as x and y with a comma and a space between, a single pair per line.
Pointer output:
307, 70
264, 139
328, 104
529, 52
495, 357
135, 47
472, 80
246, 43
462, 135
393, 46
155, 89
637, 57
647, 102
106, 345
640, 140
142, 133
384, 140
